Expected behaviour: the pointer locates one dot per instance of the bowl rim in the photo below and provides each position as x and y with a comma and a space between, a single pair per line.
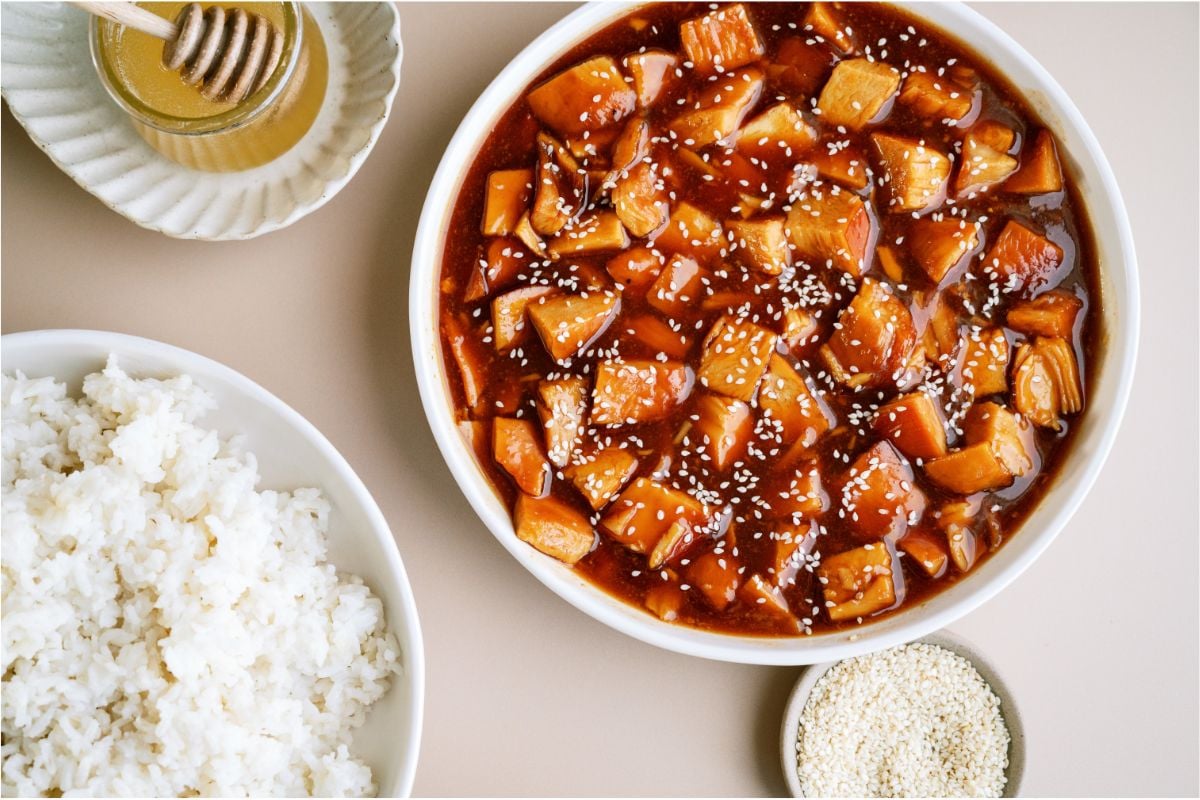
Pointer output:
1117, 361
193, 363
947, 640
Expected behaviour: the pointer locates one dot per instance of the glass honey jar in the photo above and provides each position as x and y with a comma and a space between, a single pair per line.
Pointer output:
215, 135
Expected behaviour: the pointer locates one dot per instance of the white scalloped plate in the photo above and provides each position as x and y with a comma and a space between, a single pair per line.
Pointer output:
53, 91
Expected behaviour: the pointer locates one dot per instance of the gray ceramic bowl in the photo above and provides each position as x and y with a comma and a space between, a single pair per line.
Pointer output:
947, 640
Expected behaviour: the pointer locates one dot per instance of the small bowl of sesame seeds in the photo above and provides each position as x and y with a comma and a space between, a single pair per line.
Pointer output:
927, 719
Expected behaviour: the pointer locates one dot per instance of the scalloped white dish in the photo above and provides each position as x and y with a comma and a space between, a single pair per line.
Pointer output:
53, 91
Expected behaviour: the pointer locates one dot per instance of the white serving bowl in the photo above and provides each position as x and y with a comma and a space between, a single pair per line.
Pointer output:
291, 453
944, 639
1109, 389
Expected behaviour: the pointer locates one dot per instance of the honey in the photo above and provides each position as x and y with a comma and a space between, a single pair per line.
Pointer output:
215, 135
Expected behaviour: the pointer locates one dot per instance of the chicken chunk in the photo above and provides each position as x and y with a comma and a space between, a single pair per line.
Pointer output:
845, 165
692, 232
975, 468
715, 574
640, 200
879, 494
857, 92
793, 542
722, 39
601, 477
505, 260
802, 65
678, 286
1046, 381
936, 97
636, 268
467, 355
823, 20
985, 160
799, 326
560, 189
736, 354
593, 233
780, 128
915, 173
517, 447
804, 495
789, 406
568, 323
507, 197
718, 112
648, 512
985, 363
651, 332
723, 427
588, 96
509, 314
929, 554
939, 245
874, 341
857, 583
833, 227
554, 528
638, 391
1010, 438
651, 71
562, 407
1040, 172
762, 244
913, 423
1021, 259
1049, 314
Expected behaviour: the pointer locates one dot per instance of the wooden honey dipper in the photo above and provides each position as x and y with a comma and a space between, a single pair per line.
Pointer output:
231, 54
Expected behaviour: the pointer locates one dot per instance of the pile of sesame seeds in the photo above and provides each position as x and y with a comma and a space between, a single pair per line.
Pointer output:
912, 721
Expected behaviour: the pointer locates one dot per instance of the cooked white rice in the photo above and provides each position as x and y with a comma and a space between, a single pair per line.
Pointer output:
167, 629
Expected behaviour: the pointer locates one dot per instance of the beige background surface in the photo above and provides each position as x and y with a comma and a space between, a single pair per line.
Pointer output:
528, 696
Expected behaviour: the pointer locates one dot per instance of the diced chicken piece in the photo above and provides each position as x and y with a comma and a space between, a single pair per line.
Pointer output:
913, 423
938, 245
1021, 259
467, 356
723, 427
509, 314
651, 71
955, 520
593, 233
631, 147
562, 408
1040, 171
638, 391
792, 543
777, 129
719, 110
640, 200
833, 227
975, 468
942, 336
985, 364
761, 244
924, 549
880, 495
657, 335
588, 96
600, 478
759, 594
721, 40
804, 496
517, 447
647, 511
857, 583
1010, 438
678, 286
936, 96
789, 406
889, 262
528, 236
554, 527
559, 187
591, 145
1046, 381
665, 599
845, 165
505, 261
916, 173
857, 92
827, 23
985, 158
736, 354
636, 268
567, 324
874, 341
691, 232
715, 574
800, 67
798, 327
1049, 314
507, 197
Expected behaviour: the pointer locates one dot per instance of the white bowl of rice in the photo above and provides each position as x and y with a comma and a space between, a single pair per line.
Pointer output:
199, 594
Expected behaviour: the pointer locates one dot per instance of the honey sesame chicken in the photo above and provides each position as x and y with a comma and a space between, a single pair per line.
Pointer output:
769, 318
